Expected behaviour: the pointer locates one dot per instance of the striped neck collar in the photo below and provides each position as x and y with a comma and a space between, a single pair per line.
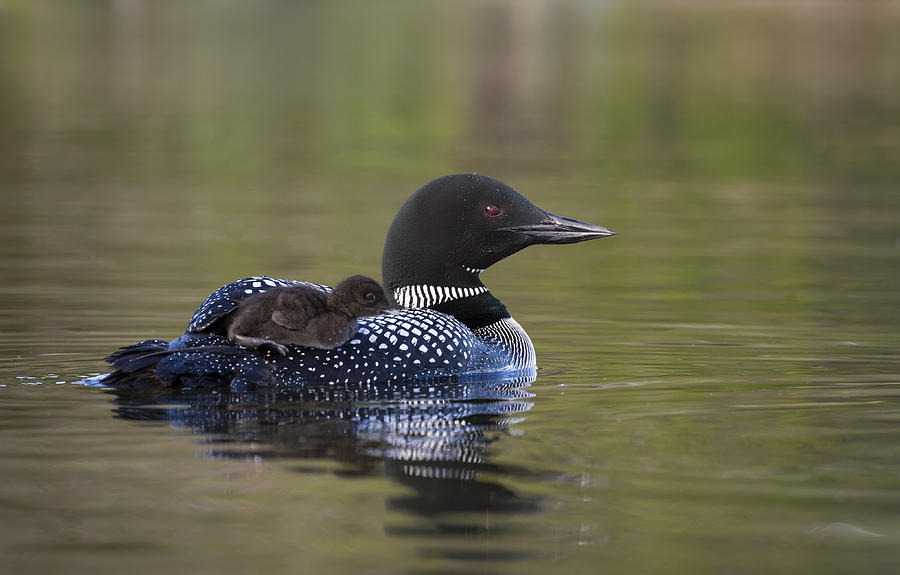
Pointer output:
430, 296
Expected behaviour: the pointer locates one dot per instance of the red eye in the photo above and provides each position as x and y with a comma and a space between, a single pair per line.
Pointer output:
492, 210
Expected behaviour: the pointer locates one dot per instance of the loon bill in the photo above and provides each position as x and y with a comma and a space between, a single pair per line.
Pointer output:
448, 324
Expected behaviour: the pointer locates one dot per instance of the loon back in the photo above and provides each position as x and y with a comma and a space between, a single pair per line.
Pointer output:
443, 237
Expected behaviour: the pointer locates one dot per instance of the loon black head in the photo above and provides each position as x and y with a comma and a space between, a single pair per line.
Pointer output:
456, 226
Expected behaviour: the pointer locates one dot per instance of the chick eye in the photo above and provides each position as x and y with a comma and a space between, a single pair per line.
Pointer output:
370, 297
492, 210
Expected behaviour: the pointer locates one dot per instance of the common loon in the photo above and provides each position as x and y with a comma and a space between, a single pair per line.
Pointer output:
450, 325
304, 315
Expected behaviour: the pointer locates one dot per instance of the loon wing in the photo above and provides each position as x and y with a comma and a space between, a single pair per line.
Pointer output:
280, 319
416, 343
225, 299
410, 344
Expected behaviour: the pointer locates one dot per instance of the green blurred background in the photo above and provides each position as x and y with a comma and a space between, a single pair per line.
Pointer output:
718, 383
158, 149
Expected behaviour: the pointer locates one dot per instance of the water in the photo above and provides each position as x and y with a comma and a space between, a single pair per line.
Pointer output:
719, 384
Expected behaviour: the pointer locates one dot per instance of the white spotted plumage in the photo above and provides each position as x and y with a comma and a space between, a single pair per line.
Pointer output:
415, 342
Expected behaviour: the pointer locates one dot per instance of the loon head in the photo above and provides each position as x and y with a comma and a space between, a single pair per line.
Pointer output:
456, 226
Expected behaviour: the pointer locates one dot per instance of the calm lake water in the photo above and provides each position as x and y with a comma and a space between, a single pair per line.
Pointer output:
719, 385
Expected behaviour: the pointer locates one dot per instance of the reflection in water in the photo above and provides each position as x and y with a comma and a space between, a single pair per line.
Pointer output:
432, 437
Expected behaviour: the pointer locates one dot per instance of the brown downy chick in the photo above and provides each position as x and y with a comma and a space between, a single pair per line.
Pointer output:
304, 315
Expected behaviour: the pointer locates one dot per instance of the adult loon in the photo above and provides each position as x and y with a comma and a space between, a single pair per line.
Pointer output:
304, 315
450, 325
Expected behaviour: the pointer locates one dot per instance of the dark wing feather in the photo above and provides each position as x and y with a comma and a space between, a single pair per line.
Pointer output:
225, 299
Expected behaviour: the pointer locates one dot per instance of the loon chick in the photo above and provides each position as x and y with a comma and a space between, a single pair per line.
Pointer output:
449, 324
304, 315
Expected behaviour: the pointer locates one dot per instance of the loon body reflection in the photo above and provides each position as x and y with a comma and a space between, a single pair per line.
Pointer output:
449, 324
433, 437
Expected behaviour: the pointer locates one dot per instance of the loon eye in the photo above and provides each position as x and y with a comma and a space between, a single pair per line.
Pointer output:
370, 297
492, 210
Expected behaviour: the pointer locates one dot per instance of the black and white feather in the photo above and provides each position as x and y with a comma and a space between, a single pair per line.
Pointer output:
412, 343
